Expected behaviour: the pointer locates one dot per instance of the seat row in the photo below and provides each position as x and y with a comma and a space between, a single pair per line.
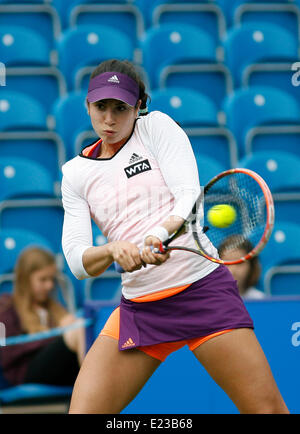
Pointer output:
170, 44
249, 120
136, 16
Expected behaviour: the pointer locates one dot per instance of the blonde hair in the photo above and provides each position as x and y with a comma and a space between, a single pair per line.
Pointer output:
31, 260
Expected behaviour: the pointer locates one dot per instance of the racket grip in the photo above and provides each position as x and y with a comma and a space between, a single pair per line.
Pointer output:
119, 269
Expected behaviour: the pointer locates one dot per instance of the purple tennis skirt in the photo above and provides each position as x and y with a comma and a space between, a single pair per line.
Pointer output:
207, 306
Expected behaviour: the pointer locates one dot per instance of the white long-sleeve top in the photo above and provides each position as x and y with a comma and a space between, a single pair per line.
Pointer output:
153, 176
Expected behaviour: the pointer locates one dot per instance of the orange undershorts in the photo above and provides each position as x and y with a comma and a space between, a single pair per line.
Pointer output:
158, 351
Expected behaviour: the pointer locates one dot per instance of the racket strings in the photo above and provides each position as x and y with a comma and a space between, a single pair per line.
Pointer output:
245, 195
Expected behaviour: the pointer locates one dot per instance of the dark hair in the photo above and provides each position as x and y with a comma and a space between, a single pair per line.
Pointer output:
127, 68
234, 242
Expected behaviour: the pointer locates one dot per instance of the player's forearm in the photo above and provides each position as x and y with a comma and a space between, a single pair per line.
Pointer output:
172, 223
97, 259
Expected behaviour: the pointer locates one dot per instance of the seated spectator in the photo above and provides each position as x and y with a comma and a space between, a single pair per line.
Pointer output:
246, 273
31, 309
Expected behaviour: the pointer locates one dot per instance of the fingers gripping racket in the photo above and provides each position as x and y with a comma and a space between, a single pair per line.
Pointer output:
248, 194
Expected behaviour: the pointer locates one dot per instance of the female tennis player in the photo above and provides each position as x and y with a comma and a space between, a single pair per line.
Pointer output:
139, 182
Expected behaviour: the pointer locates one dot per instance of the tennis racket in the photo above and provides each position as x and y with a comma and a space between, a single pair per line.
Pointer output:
249, 195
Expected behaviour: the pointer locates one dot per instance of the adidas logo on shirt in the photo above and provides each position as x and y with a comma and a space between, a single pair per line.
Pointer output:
113, 79
134, 158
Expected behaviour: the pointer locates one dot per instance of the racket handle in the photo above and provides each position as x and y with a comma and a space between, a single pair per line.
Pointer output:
118, 267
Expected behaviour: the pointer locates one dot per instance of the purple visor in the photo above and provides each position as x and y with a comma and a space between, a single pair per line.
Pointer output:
113, 85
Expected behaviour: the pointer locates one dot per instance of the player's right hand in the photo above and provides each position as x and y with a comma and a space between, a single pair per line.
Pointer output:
126, 254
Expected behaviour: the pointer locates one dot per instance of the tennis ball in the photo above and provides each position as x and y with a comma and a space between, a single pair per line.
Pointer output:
221, 215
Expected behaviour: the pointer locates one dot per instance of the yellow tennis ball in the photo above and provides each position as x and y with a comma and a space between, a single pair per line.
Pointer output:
221, 215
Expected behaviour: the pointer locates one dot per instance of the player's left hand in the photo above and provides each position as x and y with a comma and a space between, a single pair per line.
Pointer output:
148, 256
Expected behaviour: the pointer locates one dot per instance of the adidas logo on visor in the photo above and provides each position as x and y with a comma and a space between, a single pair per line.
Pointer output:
113, 79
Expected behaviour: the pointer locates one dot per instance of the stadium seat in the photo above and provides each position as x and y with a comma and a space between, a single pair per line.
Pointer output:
40, 18
189, 108
21, 177
89, 45
286, 15
21, 46
41, 215
98, 311
65, 7
248, 108
44, 84
174, 43
213, 80
125, 17
279, 169
28, 200
258, 42
215, 142
105, 287
277, 75
201, 124
207, 167
283, 280
13, 241
206, 16
35, 145
282, 249
83, 139
21, 112
229, 8
71, 119
273, 139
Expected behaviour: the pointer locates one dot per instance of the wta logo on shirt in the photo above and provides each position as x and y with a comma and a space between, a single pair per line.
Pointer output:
138, 167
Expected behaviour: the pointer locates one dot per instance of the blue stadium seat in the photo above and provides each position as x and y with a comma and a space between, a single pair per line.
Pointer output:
147, 8
21, 46
64, 8
125, 17
214, 142
89, 45
279, 169
277, 75
206, 16
188, 107
229, 8
207, 167
282, 249
283, 280
286, 15
44, 84
253, 43
105, 287
28, 200
35, 145
71, 119
173, 43
258, 106
21, 112
198, 116
41, 18
213, 80
21, 177
41, 215
273, 139
13, 241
